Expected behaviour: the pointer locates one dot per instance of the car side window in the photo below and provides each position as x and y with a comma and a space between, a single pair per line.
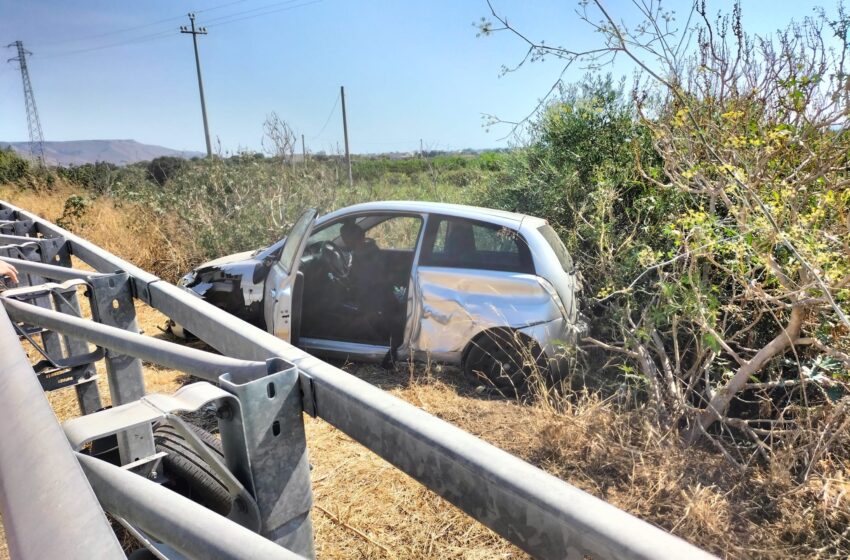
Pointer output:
330, 233
399, 233
459, 243
390, 232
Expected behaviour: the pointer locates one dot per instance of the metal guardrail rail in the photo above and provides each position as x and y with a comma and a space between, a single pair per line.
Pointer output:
264, 385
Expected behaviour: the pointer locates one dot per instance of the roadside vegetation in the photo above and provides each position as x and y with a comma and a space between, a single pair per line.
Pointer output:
708, 210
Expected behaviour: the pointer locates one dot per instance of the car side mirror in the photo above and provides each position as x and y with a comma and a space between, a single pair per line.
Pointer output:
261, 270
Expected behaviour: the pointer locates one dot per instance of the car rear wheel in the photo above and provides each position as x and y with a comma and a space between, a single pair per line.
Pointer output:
189, 474
508, 360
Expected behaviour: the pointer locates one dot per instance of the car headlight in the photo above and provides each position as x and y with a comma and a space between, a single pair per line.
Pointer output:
186, 280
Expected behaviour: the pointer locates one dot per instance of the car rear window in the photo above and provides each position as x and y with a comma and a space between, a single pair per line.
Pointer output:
460, 243
551, 237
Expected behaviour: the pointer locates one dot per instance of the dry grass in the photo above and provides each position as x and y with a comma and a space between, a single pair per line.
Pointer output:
617, 455
131, 231
364, 508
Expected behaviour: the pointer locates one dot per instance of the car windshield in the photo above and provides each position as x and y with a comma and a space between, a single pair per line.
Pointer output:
293, 240
551, 237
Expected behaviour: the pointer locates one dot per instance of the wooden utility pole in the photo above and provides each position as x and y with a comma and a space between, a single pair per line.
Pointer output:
345, 134
303, 150
195, 32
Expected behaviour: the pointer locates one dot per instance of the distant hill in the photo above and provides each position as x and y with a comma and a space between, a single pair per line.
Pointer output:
119, 152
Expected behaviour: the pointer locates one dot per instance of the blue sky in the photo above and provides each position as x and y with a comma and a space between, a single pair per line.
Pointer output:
412, 69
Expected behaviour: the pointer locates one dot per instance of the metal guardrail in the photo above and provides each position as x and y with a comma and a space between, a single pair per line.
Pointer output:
182, 523
541, 514
49, 509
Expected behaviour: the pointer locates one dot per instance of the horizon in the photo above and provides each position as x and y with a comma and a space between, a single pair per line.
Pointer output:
15, 144
413, 73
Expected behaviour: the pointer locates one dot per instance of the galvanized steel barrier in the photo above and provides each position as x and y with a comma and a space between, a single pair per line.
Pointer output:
262, 386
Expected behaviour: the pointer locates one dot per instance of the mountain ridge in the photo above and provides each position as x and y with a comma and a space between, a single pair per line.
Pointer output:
118, 152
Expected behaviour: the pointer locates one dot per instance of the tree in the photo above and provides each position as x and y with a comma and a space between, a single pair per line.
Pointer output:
278, 139
744, 282
163, 168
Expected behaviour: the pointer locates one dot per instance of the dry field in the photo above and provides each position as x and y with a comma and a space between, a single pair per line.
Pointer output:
364, 508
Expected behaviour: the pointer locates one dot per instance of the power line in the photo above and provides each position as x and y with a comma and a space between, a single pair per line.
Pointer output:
328, 120
110, 33
222, 20
251, 10
284, 9
220, 6
142, 39
137, 27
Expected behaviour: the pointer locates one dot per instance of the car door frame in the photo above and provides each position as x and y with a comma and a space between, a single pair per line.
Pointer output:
343, 349
279, 290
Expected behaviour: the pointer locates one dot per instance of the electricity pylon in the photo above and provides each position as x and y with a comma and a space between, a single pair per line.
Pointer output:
33, 122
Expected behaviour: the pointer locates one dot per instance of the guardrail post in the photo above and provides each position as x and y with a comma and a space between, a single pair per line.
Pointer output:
40, 250
88, 395
276, 449
112, 304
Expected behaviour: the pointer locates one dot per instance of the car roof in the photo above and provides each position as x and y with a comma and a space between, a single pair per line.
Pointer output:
511, 219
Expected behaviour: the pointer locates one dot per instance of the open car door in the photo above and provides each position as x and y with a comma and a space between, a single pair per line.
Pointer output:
278, 293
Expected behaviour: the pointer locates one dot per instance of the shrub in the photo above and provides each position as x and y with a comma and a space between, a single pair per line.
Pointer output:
75, 208
709, 218
161, 169
13, 167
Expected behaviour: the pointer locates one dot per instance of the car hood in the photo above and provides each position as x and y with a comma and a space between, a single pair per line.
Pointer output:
229, 259
239, 272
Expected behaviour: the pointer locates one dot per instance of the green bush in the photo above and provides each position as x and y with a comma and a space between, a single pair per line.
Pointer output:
12, 166
583, 172
161, 169
238, 203
75, 208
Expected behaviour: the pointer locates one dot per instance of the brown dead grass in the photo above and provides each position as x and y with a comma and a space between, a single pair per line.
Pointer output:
132, 231
619, 456
364, 508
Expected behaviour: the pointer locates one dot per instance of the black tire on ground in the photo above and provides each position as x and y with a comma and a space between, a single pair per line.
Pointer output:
189, 473
506, 359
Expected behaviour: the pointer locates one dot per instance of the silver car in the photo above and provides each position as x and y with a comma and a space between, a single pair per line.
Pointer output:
492, 291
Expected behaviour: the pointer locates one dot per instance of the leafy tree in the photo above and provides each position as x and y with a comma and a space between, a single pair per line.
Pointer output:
722, 245
161, 169
12, 166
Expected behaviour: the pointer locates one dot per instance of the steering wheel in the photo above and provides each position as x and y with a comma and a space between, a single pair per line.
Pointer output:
338, 263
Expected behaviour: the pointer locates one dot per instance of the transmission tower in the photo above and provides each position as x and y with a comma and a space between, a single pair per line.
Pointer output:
33, 122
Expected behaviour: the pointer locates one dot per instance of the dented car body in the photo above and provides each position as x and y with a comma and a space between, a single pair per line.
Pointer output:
403, 280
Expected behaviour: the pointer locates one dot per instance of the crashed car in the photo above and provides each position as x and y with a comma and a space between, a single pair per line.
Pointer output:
491, 291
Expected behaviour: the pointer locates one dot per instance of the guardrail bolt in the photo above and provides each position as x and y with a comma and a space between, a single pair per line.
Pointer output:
224, 412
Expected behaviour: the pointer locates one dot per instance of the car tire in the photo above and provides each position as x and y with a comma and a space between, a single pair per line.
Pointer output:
189, 474
507, 359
